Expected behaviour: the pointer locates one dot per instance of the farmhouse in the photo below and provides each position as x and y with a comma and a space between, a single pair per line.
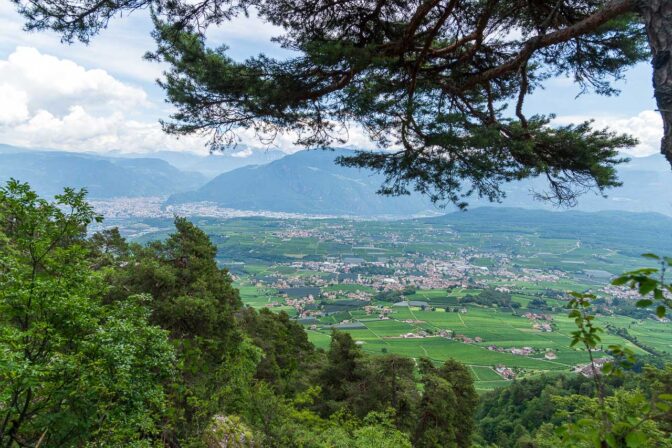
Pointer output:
505, 372
446, 333
589, 370
550, 356
465, 339
525, 351
545, 327
412, 336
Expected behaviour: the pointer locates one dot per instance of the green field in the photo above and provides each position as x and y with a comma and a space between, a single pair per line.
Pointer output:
496, 327
261, 252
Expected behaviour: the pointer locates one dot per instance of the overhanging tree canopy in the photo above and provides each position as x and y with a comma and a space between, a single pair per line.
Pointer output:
440, 83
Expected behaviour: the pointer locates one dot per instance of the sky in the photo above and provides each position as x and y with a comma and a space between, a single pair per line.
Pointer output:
103, 97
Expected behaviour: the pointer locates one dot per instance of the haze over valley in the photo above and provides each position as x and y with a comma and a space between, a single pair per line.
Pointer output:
306, 182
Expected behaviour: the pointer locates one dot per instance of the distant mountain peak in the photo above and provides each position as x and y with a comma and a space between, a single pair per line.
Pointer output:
306, 182
49, 172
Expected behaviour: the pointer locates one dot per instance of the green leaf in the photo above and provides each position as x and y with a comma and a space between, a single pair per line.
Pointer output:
635, 439
661, 405
644, 303
647, 285
660, 311
651, 256
620, 281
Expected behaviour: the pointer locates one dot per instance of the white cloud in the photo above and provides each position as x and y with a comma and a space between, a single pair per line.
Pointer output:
13, 104
56, 103
247, 152
119, 49
47, 101
49, 80
357, 138
647, 127
80, 131
51, 102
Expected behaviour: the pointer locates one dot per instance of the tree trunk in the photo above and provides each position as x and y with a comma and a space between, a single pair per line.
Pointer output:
657, 16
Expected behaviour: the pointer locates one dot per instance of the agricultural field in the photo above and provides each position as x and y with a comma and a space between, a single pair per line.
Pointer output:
495, 327
416, 287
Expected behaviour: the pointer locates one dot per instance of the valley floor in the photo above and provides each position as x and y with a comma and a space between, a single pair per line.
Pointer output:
423, 288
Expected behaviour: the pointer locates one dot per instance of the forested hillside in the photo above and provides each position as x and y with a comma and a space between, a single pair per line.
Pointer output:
629, 232
107, 343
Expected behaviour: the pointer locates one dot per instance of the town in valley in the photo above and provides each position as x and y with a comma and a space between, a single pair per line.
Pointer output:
493, 299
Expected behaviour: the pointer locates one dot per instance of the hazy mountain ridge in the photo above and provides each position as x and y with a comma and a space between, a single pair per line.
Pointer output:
305, 182
212, 165
309, 182
49, 172
647, 187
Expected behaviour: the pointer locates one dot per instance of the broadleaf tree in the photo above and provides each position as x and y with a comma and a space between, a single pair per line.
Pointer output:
440, 84
73, 369
194, 300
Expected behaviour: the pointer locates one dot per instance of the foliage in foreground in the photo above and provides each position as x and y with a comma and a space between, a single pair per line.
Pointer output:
106, 343
73, 369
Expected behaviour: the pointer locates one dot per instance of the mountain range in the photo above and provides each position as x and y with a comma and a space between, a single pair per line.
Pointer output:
310, 182
647, 187
303, 182
48, 172
212, 165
